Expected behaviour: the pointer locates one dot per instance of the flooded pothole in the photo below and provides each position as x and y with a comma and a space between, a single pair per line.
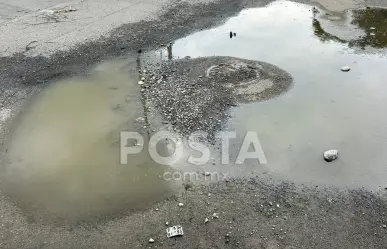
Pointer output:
325, 108
63, 160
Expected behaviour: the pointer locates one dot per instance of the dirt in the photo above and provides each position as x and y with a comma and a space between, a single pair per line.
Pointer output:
249, 217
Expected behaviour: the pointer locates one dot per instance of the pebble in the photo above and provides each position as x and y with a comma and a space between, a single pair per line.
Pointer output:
181, 204
167, 223
141, 82
215, 215
143, 78
345, 68
331, 155
206, 220
207, 173
151, 240
384, 226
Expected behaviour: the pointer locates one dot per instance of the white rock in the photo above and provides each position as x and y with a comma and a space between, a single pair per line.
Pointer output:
331, 155
143, 78
207, 173
215, 215
372, 28
141, 82
144, 71
181, 204
345, 68
167, 223
206, 220
373, 34
151, 240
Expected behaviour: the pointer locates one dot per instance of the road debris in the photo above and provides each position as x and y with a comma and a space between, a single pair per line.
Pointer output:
175, 231
331, 155
345, 68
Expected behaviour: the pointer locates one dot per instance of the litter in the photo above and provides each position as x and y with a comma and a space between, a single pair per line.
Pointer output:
175, 231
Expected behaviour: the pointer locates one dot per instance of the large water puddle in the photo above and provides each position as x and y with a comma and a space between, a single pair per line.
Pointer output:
63, 159
326, 108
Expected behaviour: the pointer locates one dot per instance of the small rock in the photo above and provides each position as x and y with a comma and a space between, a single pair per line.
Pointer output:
181, 204
372, 28
141, 82
331, 155
206, 220
140, 119
144, 71
207, 173
167, 223
157, 209
143, 78
384, 226
345, 68
278, 205
151, 240
215, 216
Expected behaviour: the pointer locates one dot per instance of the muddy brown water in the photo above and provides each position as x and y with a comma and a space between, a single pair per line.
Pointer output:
63, 155
327, 108
63, 159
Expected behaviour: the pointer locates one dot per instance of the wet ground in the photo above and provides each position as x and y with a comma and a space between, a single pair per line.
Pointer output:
63, 157
325, 108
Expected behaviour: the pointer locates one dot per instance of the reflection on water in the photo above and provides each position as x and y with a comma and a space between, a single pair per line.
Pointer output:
326, 109
64, 153
373, 21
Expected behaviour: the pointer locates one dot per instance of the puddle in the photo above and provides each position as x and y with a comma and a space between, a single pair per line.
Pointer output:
63, 158
326, 108
368, 28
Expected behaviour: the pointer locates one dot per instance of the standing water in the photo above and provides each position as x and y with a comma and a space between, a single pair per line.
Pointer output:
326, 108
63, 158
